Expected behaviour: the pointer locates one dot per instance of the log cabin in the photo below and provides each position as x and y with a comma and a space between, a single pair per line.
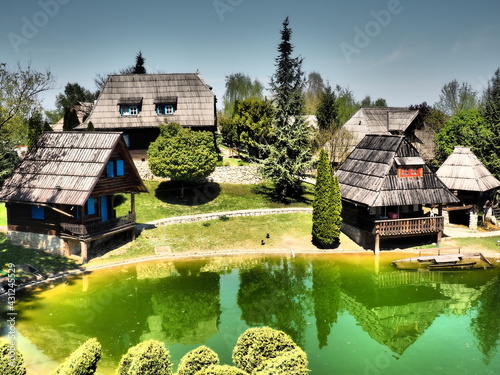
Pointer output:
137, 104
471, 182
385, 185
61, 197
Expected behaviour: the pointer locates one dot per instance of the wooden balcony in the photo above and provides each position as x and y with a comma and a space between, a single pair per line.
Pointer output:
409, 227
94, 229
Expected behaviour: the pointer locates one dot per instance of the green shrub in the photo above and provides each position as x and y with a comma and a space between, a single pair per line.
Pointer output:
83, 361
256, 345
196, 360
221, 370
11, 365
327, 206
293, 362
147, 358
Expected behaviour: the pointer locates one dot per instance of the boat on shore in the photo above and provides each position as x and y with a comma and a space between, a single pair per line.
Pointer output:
445, 262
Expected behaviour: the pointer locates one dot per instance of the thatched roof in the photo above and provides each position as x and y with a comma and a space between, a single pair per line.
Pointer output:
369, 175
65, 167
464, 171
193, 98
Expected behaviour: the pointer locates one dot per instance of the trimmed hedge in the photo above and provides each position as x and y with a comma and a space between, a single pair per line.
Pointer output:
83, 361
147, 358
293, 362
6, 361
196, 360
257, 345
221, 370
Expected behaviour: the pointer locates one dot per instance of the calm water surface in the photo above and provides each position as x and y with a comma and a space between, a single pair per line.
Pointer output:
353, 314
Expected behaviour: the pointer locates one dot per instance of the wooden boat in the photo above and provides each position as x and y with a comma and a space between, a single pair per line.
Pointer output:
445, 262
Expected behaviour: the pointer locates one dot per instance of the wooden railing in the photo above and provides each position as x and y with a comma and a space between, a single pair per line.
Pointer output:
400, 227
88, 229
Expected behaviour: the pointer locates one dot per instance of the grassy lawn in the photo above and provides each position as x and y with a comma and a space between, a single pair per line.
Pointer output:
286, 231
476, 243
3, 214
164, 199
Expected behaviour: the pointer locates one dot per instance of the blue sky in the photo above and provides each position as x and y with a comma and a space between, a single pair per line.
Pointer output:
400, 50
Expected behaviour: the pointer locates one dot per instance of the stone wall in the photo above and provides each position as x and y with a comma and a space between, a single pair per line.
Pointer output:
38, 241
247, 174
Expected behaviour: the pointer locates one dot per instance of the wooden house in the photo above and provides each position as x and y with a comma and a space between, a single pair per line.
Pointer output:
136, 104
62, 196
395, 121
384, 185
465, 175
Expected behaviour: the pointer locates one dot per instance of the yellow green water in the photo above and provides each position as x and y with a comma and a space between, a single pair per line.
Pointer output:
353, 314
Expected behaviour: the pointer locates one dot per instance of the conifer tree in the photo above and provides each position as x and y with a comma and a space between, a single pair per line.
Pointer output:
327, 109
327, 206
289, 149
139, 64
71, 120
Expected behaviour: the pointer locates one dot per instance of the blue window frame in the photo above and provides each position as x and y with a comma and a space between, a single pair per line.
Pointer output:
129, 110
110, 169
115, 168
38, 212
165, 109
90, 206
120, 167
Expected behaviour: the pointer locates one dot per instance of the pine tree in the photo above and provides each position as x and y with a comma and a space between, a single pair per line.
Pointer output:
71, 120
139, 64
327, 109
90, 126
289, 149
327, 206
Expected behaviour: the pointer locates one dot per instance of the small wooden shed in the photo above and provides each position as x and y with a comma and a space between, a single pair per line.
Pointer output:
384, 185
62, 196
471, 182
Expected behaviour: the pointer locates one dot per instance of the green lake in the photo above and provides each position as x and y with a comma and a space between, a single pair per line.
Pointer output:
352, 314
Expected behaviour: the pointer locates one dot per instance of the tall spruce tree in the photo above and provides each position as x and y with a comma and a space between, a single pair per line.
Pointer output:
327, 206
289, 150
327, 109
71, 120
139, 64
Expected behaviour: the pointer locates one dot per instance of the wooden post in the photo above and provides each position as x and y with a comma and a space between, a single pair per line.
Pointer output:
132, 203
438, 240
377, 244
84, 248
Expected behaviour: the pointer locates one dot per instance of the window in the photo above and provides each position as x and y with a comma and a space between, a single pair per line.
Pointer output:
410, 172
90, 206
115, 168
37, 212
129, 110
165, 109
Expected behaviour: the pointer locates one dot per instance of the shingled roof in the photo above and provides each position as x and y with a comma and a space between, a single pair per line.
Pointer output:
462, 170
380, 120
193, 98
369, 175
64, 167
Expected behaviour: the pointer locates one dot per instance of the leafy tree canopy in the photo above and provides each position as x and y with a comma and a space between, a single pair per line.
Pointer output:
19, 90
456, 97
182, 154
239, 87
73, 93
315, 86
